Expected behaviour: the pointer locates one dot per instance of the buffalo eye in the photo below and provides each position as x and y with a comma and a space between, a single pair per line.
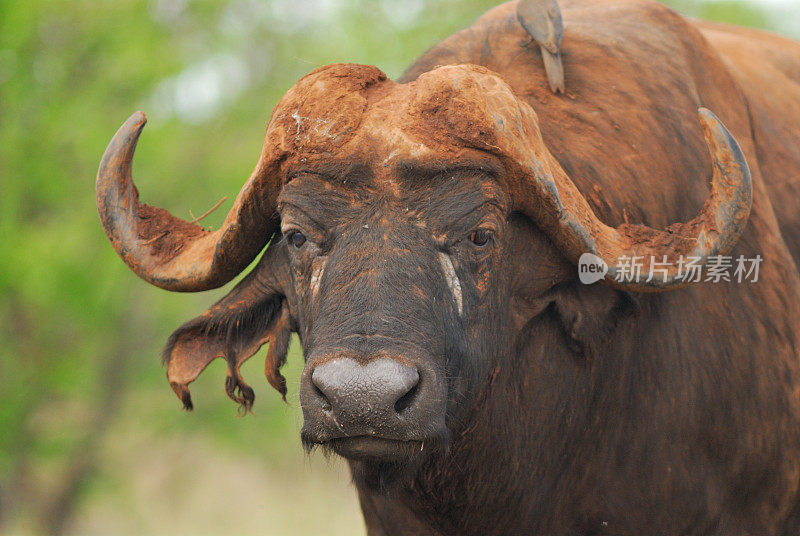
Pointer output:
480, 237
297, 238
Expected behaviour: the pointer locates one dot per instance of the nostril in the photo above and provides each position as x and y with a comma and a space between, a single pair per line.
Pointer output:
326, 404
405, 401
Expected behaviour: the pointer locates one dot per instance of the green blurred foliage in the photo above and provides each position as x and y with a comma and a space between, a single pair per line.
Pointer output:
79, 334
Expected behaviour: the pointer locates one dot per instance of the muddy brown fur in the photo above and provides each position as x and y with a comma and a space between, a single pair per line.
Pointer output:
543, 406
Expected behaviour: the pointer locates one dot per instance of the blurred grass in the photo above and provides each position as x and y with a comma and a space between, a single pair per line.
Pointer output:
92, 439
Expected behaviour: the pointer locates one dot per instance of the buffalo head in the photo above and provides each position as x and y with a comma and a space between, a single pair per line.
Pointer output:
412, 229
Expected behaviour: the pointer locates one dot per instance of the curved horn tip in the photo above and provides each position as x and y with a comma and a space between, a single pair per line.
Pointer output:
133, 125
707, 114
713, 129
138, 115
721, 142
718, 136
121, 147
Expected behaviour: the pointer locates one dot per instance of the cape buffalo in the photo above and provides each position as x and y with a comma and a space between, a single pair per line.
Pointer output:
423, 237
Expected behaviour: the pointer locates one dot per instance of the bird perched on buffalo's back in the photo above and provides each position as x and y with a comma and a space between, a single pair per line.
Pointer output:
542, 20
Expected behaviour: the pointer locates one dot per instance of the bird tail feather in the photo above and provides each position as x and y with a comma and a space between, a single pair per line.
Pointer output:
554, 69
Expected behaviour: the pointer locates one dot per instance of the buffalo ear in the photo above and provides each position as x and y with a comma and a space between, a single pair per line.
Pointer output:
544, 281
589, 314
254, 313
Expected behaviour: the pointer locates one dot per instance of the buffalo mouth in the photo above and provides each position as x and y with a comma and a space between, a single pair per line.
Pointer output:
379, 463
371, 448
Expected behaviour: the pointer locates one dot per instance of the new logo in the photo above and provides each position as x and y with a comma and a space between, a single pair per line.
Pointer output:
591, 268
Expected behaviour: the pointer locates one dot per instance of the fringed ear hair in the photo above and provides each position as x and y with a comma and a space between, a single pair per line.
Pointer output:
254, 313
281, 334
